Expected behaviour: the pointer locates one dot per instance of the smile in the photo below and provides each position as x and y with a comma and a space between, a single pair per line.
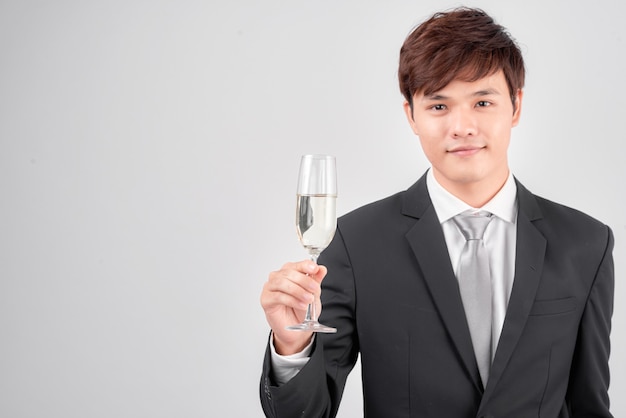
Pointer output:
465, 151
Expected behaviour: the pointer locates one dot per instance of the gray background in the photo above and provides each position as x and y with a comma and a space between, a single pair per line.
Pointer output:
148, 159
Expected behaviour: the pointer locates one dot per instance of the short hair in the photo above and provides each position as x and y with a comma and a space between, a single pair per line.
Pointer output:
461, 44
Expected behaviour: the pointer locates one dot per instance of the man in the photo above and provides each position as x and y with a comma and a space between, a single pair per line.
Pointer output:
398, 282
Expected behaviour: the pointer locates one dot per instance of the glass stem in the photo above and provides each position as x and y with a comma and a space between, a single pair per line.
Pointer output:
311, 315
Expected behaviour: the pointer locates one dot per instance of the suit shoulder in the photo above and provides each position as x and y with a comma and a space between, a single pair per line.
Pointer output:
378, 218
566, 224
374, 210
558, 212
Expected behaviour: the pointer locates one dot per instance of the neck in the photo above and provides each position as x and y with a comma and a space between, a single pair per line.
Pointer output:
474, 193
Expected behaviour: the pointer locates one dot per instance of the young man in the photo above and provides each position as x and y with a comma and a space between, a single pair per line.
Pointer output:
527, 334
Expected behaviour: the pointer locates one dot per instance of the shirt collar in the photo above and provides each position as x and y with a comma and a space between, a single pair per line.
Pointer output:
503, 204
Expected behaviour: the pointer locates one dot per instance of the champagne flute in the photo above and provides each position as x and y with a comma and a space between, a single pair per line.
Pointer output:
316, 218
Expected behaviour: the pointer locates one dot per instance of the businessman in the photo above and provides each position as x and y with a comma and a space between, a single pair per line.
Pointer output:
465, 295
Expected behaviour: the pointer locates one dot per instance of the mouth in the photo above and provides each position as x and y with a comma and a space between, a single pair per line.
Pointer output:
465, 151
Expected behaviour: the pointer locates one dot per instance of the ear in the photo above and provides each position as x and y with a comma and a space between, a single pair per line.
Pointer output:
409, 116
517, 113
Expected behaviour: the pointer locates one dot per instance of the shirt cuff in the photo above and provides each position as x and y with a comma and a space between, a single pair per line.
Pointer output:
284, 368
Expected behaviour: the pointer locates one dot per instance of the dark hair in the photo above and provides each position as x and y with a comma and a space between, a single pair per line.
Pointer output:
461, 44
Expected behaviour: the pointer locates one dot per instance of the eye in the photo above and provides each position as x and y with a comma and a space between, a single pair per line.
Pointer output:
483, 103
438, 107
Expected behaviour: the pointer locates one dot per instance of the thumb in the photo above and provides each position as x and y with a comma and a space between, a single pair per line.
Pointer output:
320, 274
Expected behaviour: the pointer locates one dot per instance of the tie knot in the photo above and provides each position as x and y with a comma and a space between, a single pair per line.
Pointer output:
473, 225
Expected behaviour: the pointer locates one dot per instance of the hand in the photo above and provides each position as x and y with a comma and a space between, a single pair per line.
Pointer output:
284, 299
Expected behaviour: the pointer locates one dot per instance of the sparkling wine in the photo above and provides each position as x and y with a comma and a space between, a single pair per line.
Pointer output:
316, 221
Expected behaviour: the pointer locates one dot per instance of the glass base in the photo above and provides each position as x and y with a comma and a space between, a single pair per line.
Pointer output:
312, 326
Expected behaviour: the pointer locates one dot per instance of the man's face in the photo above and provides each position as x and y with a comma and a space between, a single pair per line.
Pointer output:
465, 129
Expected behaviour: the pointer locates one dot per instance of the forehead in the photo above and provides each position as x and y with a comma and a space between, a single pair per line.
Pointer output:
491, 84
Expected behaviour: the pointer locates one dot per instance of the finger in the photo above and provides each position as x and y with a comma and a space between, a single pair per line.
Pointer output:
306, 267
279, 280
287, 292
295, 290
311, 270
319, 275
279, 300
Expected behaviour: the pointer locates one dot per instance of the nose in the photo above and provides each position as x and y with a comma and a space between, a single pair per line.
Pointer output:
463, 124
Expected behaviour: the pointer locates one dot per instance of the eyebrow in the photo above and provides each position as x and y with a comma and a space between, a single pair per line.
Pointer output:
479, 93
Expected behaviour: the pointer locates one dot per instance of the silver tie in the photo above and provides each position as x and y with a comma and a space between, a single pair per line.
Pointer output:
475, 285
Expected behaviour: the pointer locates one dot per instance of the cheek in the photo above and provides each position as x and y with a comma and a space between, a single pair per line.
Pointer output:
430, 133
500, 147
430, 146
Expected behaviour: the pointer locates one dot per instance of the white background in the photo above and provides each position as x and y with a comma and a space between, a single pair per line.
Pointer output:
148, 159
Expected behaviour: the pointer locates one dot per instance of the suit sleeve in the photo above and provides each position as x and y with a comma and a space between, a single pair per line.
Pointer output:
589, 379
317, 389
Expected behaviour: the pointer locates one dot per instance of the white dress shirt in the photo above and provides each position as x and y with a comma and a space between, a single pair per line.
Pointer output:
500, 239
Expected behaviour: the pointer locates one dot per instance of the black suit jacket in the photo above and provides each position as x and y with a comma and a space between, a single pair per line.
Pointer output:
392, 294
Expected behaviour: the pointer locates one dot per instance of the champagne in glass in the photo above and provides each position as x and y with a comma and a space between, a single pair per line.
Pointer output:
316, 218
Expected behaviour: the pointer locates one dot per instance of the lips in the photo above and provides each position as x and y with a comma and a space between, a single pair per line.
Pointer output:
465, 151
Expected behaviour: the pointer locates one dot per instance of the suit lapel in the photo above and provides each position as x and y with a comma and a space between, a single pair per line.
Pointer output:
530, 253
428, 244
